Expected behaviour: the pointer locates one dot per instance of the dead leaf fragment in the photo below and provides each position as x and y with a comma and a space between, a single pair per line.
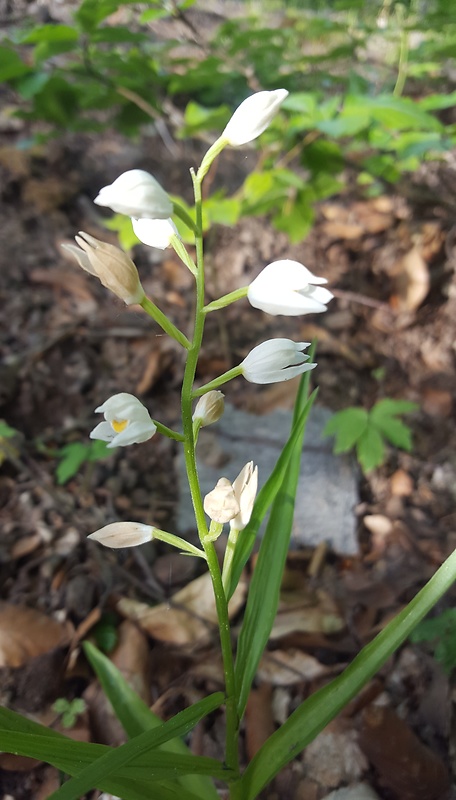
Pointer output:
190, 618
405, 765
287, 667
26, 633
411, 281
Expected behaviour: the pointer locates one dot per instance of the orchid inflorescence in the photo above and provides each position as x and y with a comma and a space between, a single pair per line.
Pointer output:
283, 287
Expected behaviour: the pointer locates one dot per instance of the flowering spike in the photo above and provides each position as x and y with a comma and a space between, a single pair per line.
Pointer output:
289, 288
127, 421
137, 194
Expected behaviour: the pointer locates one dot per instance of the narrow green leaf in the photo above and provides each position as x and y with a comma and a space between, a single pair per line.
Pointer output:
136, 717
315, 713
347, 426
370, 449
264, 589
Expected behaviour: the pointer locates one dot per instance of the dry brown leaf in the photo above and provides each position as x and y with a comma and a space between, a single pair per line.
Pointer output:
300, 612
405, 765
259, 722
151, 371
437, 402
189, 619
287, 667
411, 281
342, 230
26, 633
401, 484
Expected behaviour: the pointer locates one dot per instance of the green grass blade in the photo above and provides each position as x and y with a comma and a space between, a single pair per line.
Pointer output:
264, 589
316, 712
136, 717
268, 492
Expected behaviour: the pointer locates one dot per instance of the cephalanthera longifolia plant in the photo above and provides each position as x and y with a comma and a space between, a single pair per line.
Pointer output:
154, 764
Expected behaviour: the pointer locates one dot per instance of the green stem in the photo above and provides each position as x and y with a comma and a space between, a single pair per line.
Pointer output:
165, 324
227, 376
176, 541
226, 300
165, 431
185, 217
211, 154
232, 722
403, 54
228, 560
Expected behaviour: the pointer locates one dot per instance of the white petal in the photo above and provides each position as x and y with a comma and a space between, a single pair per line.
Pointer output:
123, 534
102, 431
136, 193
154, 232
134, 433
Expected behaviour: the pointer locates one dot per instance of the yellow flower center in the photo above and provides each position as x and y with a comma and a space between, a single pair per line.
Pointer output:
119, 425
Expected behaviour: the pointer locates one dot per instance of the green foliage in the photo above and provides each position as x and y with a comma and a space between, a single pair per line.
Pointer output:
70, 710
346, 107
8, 449
73, 455
440, 633
366, 431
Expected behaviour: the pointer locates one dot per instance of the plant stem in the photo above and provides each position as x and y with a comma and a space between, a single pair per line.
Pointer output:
165, 431
226, 300
165, 324
228, 560
232, 722
227, 376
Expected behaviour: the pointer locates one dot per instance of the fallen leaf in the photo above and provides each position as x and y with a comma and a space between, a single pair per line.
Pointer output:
259, 723
405, 765
411, 281
189, 618
401, 484
335, 757
26, 633
287, 667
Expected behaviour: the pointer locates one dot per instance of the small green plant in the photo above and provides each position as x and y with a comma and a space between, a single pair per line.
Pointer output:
8, 449
69, 710
367, 431
440, 633
73, 455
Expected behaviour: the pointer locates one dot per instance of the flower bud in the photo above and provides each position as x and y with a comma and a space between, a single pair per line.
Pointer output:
209, 408
136, 194
289, 288
110, 265
155, 232
245, 488
123, 534
253, 117
221, 504
276, 360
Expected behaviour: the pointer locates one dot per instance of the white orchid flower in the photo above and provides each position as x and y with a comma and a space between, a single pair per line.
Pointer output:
155, 232
137, 194
253, 116
289, 288
245, 488
276, 360
127, 421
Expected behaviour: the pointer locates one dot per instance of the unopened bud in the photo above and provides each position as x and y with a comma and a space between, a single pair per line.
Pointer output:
111, 265
123, 534
221, 504
209, 408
